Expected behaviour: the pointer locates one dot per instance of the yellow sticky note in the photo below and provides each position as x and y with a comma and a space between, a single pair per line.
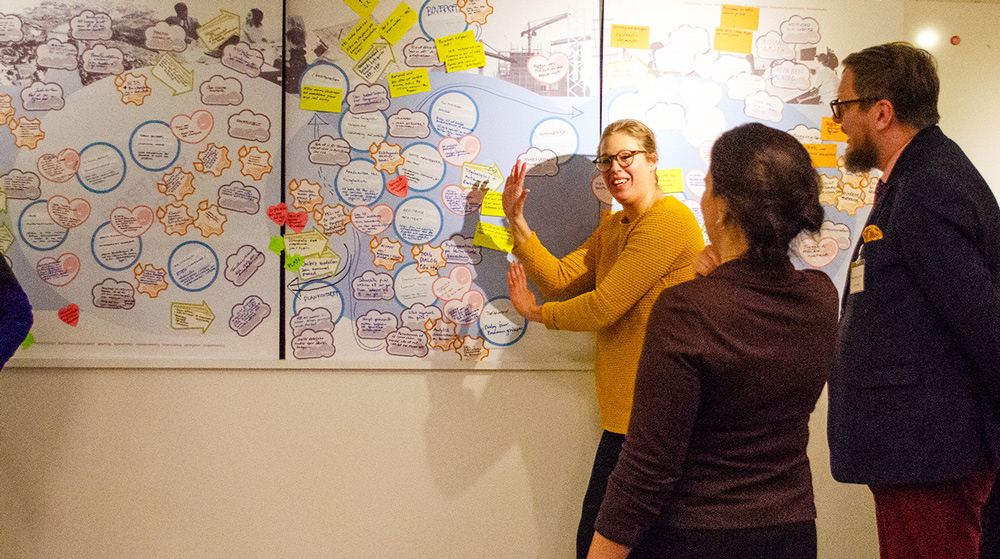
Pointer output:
409, 82
398, 23
740, 17
324, 99
448, 44
360, 38
822, 155
671, 181
831, 131
362, 7
733, 40
629, 36
493, 236
492, 204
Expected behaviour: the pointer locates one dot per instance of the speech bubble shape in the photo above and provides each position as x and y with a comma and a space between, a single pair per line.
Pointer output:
220, 90
798, 30
42, 96
166, 37
248, 315
213, 160
371, 286
327, 150
409, 124
763, 106
308, 318
666, 116
243, 264
375, 325
248, 125
743, 85
416, 316
20, 185
243, 58
790, 75
103, 60
421, 53
459, 249
10, 28
771, 46
407, 343
239, 197
313, 345
91, 26
368, 99
112, 294
540, 162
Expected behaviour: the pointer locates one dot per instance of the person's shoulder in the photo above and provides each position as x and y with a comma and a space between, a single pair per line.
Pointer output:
821, 286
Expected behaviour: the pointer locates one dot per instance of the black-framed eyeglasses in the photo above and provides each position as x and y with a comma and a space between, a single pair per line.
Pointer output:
623, 157
837, 103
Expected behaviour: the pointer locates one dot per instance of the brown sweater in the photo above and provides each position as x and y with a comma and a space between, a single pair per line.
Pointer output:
732, 366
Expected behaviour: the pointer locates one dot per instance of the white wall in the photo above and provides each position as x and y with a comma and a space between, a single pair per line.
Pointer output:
367, 464
358, 464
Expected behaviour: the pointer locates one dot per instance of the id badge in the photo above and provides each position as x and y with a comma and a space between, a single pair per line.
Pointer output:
857, 276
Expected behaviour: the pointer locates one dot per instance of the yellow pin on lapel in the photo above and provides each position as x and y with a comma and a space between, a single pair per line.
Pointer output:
871, 233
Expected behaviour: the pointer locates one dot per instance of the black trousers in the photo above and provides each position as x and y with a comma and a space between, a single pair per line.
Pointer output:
604, 463
787, 541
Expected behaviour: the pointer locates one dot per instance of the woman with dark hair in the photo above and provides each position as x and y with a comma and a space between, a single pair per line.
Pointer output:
714, 464
609, 284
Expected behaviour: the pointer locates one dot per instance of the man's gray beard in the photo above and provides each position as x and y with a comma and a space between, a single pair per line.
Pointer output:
861, 158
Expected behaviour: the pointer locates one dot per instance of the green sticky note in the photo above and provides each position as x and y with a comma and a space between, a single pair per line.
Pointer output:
29, 341
294, 262
277, 245
323, 99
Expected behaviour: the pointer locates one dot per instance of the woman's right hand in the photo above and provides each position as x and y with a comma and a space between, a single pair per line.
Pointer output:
512, 200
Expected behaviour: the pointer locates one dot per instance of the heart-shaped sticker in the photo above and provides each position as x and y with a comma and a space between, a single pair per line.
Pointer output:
70, 314
278, 213
459, 151
58, 271
296, 221
549, 70
461, 201
61, 167
68, 213
465, 310
372, 221
398, 186
132, 222
453, 286
192, 129
818, 254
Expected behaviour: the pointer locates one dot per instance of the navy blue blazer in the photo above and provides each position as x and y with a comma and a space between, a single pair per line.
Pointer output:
916, 390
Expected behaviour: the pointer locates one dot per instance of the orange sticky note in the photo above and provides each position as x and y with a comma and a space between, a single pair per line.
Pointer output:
740, 17
822, 155
629, 36
831, 131
733, 40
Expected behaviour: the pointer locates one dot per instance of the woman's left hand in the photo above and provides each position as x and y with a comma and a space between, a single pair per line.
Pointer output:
520, 296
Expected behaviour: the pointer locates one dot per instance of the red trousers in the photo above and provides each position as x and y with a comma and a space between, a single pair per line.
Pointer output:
940, 521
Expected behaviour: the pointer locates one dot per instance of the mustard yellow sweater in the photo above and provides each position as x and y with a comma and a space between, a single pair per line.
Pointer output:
609, 285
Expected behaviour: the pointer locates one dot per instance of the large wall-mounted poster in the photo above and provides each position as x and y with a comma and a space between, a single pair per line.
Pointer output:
139, 151
697, 69
403, 120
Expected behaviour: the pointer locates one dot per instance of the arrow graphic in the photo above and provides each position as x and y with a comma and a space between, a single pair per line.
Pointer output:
189, 316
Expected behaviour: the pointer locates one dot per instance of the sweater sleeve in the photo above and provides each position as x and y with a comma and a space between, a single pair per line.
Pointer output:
667, 394
662, 241
15, 313
559, 278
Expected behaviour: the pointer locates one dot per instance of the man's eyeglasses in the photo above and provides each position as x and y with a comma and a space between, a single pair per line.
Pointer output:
624, 159
837, 103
